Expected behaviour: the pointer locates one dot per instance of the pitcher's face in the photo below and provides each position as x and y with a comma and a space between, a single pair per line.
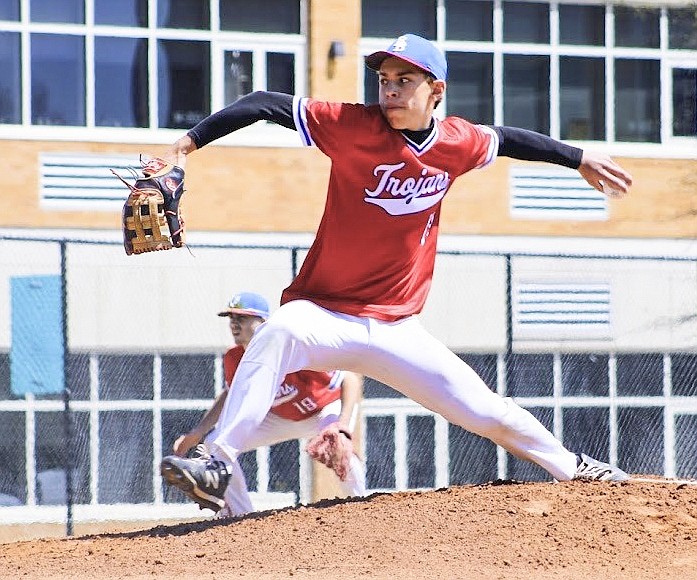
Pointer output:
408, 95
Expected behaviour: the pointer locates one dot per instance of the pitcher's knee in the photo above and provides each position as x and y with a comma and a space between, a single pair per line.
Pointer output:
278, 345
501, 418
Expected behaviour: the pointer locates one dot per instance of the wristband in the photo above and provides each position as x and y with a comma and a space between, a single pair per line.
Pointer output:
346, 434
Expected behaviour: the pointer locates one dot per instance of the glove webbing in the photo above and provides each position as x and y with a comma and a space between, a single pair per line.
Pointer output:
151, 227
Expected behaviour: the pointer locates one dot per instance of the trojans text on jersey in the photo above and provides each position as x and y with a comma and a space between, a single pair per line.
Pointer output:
407, 194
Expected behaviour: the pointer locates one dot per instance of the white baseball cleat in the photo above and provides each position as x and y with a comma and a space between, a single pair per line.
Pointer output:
589, 468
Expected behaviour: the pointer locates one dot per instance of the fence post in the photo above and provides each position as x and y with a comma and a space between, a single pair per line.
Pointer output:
294, 262
509, 310
67, 417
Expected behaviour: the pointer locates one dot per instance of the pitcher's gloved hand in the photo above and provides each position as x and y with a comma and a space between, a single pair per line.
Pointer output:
152, 217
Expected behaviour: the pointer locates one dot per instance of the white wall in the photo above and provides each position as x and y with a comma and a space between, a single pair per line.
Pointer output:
169, 300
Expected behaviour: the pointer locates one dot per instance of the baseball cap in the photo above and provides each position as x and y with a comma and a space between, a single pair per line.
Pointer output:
247, 303
415, 50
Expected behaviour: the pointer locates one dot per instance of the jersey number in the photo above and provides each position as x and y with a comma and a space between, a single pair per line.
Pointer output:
305, 406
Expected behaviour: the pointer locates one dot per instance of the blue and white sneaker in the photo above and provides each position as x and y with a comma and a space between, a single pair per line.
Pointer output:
203, 479
589, 468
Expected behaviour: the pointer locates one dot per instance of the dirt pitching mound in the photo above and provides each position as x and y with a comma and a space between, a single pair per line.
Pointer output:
500, 530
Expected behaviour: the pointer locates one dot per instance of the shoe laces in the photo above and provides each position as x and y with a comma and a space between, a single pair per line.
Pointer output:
589, 468
201, 452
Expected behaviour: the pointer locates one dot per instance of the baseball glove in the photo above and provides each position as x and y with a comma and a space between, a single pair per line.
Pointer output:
332, 448
152, 217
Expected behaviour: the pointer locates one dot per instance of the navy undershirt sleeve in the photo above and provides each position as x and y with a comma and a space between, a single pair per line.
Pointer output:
531, 146
257, 106
278, 108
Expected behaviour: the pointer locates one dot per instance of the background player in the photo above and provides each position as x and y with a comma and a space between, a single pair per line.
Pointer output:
369, 270
305, 403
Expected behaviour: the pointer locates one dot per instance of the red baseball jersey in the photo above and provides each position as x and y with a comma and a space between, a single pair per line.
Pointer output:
375, 248
301, 395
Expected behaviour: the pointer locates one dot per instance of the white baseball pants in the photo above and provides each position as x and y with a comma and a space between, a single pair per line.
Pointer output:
400, 354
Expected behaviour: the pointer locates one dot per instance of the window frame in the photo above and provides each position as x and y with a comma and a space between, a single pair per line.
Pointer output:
667, 113
669, 146
261, 135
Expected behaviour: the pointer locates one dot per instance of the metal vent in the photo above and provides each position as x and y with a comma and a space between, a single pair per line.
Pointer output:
552, 193
79, 182
544, 310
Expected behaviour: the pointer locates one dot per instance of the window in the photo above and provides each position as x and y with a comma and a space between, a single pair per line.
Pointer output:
685, 102
379, 459
280, 16
640, 439
13, 480
525, 22
585, 375
52, 456
58, 79
585, 71
640, 375
9, 10
686, 449
284, 467
582, 98
637, 95
238, 74
123, 13
530, 375
526, 92
187, 376
79, 376
121, 82
421, 452
66, 11
184, 83
252, 66
390, 18
125, 457
144, 64
581, 25
124, 377
637, 27
279, 73
471, 89
587, 428
684, 374
469, 20
183, 14
10, 83
682, 28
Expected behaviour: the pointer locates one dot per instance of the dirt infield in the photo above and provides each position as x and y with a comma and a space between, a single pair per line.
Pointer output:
501, 530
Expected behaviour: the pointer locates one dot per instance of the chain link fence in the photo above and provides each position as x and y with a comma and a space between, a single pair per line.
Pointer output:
105, 359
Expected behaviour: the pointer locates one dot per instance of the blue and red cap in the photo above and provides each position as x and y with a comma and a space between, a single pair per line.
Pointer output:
247, 303
415, 50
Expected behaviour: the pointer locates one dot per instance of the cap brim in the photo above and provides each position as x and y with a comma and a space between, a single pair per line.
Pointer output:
230, 311
373, 61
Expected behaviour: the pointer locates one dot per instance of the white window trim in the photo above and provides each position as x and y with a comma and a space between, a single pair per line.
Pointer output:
670, 147
257, 135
